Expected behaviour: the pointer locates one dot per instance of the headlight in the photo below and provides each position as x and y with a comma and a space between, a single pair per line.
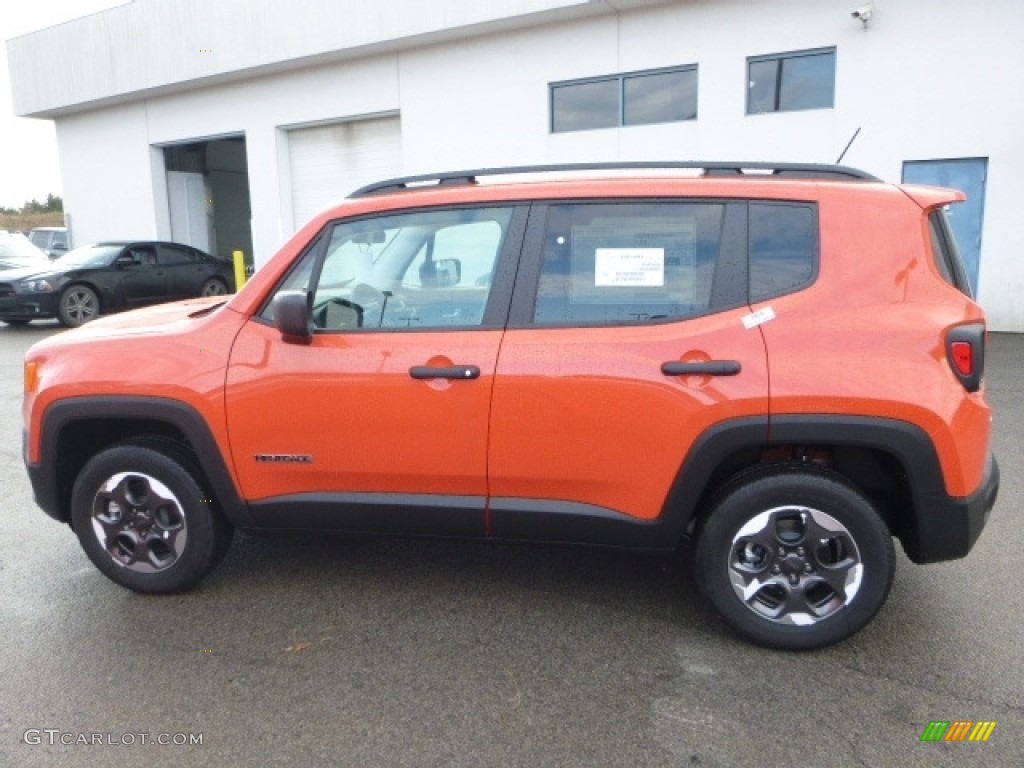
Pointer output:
39, 285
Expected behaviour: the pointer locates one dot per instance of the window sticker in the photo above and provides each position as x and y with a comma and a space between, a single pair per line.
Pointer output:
759, 317
629, 267
634, 259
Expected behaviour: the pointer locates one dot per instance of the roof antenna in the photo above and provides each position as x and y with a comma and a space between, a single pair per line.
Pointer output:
848, 144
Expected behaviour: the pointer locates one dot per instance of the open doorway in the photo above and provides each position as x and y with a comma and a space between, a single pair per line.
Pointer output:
208, 196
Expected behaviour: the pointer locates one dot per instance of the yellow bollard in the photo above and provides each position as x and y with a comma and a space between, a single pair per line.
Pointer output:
239, 259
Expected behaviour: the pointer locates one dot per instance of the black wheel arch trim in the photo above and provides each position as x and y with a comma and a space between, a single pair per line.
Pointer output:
180, 416
937, 526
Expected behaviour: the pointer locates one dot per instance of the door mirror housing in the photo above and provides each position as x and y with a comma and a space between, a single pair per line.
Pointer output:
292, 316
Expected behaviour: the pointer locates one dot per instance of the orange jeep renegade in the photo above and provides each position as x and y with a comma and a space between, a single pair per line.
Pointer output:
782, 363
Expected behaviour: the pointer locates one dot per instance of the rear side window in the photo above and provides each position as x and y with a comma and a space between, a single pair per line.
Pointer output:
627, 263
783, 248
946, 253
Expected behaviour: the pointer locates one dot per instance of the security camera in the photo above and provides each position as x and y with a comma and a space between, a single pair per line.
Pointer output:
863, 13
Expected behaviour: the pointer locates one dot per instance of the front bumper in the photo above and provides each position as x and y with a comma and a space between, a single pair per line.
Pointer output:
28, 306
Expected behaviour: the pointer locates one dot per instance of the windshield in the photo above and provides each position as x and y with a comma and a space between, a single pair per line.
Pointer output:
14, 246
90, 256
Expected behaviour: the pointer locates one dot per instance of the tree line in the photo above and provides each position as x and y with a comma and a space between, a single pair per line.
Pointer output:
53, 204
33, 214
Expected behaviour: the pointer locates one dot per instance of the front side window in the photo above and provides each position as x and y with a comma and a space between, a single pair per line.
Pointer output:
634, 98
627, 263
791, 81
427, 269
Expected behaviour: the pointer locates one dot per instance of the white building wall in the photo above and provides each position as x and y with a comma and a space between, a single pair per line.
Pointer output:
923, 81
105, 169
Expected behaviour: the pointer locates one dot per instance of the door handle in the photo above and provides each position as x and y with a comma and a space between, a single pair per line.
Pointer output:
701, 368
444, 372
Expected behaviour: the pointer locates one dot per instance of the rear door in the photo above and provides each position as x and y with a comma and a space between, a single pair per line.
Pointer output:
630, 336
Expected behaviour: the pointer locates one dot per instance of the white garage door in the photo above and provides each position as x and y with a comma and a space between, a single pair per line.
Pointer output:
329, 161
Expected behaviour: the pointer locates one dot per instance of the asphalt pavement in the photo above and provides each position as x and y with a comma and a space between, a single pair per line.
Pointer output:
333, 651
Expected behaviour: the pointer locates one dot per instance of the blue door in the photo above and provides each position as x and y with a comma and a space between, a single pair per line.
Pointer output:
968, 175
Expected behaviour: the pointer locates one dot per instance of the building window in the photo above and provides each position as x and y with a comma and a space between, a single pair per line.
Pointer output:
791, 81
634, 98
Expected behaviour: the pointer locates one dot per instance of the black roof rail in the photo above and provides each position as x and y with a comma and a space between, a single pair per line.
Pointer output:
762, 169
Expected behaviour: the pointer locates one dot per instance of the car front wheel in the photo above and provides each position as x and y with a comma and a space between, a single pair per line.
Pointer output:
795, 558
78, 304
142, 516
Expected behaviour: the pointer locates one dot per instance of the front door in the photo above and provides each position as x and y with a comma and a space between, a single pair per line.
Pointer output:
382, 420
144, 280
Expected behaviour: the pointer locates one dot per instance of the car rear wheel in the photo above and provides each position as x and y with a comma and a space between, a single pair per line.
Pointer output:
795, 558
214, 287
78, 305
143, 517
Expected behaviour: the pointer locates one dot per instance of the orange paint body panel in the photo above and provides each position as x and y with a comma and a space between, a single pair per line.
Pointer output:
347, 402
585, 414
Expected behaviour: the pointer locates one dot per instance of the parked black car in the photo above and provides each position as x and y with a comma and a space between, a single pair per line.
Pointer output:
109, 277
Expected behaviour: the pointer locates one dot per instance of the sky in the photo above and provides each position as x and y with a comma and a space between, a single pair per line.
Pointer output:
29, 167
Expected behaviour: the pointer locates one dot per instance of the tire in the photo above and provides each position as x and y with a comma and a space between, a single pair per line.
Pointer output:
754, 562
214, 287
78, 304
143, 517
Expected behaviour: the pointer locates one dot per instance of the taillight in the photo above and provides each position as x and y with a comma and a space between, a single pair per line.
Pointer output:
965, 352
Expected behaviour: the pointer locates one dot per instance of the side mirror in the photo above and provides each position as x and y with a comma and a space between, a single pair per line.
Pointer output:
125, 260
292, 316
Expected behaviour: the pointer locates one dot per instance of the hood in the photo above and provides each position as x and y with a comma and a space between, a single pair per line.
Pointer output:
160, 318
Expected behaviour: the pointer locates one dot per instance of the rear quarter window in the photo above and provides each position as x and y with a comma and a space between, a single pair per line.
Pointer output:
783, 248
946, 253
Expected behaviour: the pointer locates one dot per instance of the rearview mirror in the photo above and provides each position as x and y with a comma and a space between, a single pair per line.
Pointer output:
292, 316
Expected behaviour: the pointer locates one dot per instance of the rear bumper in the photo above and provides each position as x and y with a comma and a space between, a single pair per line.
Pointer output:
948, 527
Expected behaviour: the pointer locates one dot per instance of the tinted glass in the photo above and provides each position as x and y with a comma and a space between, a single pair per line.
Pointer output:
171, 256
579, 106
808, 82
762, 86
428, 269
660, 98
628, 263
946, 252
791, 82
783, 248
